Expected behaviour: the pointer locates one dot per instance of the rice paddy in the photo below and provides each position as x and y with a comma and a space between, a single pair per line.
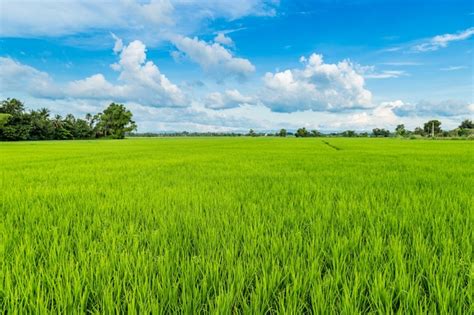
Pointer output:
237, 225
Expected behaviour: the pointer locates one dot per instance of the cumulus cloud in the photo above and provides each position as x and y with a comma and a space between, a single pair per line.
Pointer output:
442, 41
319, 86
221, 38
214, 58
227, 99
381, 116
139, 80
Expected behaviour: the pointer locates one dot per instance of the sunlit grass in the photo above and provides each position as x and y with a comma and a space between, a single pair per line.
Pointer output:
237, 225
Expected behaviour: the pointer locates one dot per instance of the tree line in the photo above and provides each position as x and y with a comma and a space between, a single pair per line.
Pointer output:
431, 128
16, 123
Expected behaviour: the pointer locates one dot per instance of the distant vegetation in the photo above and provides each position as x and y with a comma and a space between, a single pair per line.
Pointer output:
116, 121
430, 129
18, 124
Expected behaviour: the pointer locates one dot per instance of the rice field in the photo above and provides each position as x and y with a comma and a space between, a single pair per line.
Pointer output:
237, 225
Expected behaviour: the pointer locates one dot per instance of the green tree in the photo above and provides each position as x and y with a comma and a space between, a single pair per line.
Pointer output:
18, 124
467, 124
69, 123
377, 132
4, 119
349, 133
315, 133
466, 128
12, 106
252, 133
82, 129
400, 130
282, 133
60, 132
41, 125
115, 121
301, 133
419, 131
432, 127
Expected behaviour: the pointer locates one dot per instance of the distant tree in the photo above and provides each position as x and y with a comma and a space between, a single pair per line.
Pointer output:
12, 106
467, 124
377, 132
82, 129
432, 127
69, 123
315, 133
282, 133
466, 128
252, 133
419, 131
4, 119
41, 125
301, 133
115, 121
400, 130
91, 120
17, 125
60, 131
349, 133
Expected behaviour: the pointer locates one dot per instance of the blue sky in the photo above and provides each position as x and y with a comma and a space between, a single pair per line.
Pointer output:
222, 65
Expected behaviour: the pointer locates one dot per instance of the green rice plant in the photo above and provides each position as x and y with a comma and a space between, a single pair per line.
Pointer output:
237, 225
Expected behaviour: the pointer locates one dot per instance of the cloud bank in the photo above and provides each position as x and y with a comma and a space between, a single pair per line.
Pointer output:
138, 80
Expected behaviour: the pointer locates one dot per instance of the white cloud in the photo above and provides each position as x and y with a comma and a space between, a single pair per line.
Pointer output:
446, 108
382, 116
214, 58
17, 77
118, 43
392, 49
318, 86
402, 63
370, 72
385, 74
221, 38
57, 18
32, 18
139, 81
453, 68
227, 99
442, 41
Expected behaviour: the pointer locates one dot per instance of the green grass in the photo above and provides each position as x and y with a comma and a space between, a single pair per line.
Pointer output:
237, 225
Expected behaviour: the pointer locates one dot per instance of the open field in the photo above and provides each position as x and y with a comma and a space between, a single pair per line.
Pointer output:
244, 225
